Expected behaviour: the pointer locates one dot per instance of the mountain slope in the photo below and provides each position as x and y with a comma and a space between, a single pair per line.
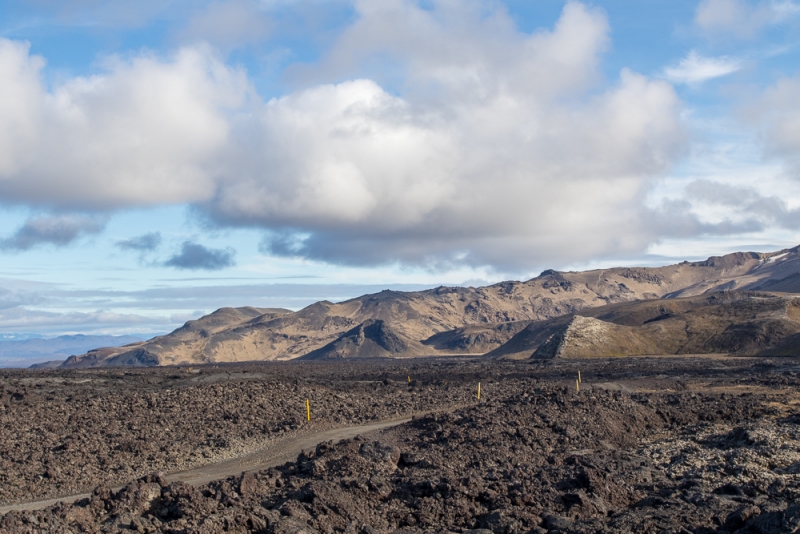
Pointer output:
371, 339
475, 338
434, 316
738, 322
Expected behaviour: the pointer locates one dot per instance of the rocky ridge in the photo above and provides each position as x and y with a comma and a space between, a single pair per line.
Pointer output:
446, 320
745, 323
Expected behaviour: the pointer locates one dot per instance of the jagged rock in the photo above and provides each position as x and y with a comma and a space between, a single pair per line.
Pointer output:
378, 452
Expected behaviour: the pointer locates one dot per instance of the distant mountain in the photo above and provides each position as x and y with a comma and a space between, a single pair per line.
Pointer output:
445, 320
21, 350
12, 337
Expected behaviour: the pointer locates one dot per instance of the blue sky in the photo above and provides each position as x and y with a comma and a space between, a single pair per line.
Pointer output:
159, 160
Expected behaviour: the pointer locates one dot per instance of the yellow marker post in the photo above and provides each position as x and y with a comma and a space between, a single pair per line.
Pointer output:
308, 410
409, 379
577, 385
579, 377
479, 391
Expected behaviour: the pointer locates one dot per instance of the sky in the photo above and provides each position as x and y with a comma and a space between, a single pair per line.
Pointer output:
161, 159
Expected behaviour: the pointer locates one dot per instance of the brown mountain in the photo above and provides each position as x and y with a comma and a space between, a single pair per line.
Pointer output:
371, 339
732, 322
447, 320
192, 338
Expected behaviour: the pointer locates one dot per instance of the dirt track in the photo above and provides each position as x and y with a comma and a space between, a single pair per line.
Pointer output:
277, 454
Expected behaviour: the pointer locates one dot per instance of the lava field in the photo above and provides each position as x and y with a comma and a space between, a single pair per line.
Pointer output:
662, 445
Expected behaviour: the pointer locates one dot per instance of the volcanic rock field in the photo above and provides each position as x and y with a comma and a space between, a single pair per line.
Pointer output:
685, 444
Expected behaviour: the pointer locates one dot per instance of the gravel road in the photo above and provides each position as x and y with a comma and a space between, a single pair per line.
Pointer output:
271, 456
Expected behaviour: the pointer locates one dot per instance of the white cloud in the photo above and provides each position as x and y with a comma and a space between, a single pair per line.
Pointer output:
469, 48
777, 115
146, 132
695, 69
496, 154
741, 18
498, 148
743, 204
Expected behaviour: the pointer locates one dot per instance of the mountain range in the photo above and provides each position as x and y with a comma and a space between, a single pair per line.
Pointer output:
540, 317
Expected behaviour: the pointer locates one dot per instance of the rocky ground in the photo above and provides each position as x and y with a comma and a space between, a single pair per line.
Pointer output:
66, 432
646, 445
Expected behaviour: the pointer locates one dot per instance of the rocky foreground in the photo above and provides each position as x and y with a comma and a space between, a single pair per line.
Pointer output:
647, 445
66, 432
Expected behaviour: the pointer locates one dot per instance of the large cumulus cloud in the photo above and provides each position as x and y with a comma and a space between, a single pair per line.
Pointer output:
505, 148
447, 136
145, 132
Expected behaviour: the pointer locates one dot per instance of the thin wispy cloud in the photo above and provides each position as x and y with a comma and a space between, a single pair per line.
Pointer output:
32, 320
40, 308
695, 69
